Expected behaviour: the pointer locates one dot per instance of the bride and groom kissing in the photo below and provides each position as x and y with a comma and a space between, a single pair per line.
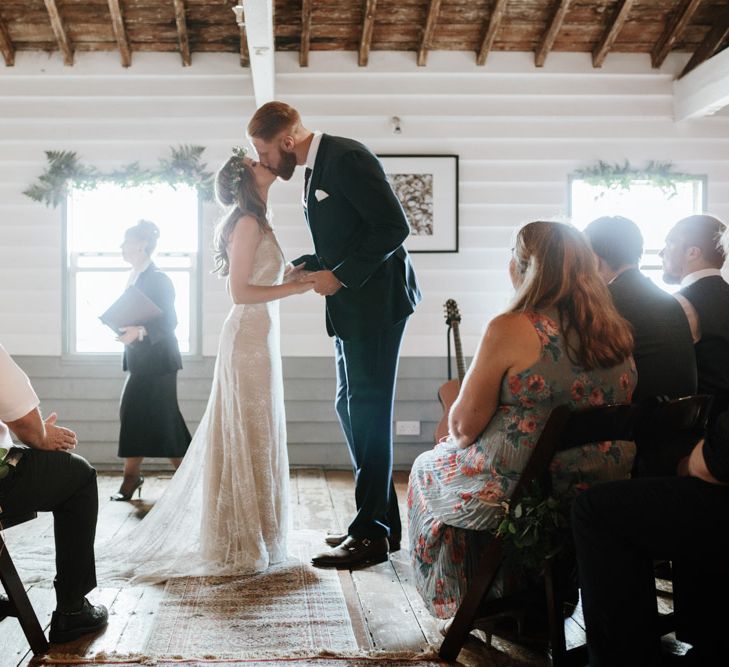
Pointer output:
226, 508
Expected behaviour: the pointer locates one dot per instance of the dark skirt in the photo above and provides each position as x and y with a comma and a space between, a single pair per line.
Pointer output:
151, 423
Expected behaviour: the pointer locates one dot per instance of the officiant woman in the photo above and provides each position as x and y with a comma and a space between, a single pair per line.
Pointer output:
151, 422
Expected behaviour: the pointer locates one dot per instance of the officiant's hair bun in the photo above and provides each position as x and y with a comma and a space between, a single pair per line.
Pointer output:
146, 231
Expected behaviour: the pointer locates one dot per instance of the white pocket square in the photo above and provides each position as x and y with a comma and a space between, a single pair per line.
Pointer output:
320, 194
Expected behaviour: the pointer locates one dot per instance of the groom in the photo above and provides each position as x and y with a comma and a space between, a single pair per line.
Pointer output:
361, 267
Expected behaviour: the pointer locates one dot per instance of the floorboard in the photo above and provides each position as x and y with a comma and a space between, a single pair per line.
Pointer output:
386, 611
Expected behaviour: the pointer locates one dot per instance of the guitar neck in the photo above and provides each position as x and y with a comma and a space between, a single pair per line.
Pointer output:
459, 352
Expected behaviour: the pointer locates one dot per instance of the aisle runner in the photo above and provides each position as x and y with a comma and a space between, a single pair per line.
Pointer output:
289, 609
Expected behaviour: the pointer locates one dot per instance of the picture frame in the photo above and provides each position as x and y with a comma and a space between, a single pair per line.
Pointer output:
427, 187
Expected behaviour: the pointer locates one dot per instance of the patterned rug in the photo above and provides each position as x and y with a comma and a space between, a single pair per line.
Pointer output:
290, 608
373, 659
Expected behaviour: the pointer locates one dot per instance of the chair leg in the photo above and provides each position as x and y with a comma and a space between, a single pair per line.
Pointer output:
20, 603
555, 618
463, 620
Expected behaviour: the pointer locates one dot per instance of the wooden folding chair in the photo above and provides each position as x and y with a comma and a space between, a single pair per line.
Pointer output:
18, 604
564, 429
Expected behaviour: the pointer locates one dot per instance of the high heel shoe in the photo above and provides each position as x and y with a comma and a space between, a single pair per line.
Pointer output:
137, 486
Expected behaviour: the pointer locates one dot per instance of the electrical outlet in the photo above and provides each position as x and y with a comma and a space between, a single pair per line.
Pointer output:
407, 428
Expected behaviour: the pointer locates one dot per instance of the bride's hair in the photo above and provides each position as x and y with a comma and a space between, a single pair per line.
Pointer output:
235, 186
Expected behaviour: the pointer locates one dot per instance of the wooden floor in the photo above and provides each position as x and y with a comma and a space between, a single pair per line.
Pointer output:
386, 611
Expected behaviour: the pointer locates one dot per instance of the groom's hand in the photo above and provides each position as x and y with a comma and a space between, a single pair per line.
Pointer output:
325, 282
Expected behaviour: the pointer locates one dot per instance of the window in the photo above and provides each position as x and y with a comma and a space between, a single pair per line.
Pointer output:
96, 274
645, 204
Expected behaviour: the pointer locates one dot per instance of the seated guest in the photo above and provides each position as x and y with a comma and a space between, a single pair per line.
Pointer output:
621, 526
44, 476
663, 352
693, 257
560, 342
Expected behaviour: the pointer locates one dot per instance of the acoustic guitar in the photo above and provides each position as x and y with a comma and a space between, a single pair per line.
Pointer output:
448, 391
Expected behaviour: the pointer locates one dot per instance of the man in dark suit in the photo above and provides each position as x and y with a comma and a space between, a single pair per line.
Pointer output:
693, 257
361, 267
619, 527
663, 353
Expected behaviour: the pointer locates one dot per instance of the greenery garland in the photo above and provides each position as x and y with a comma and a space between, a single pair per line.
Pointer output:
620, 176
65, 170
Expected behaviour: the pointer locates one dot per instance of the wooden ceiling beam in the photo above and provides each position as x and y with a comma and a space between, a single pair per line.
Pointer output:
713, 40
430, 22
368, 26
599, 53
120, 33
245, 58
673, 31
59, 30
306, 6
6, 45
492, 27
184, 40
550, 34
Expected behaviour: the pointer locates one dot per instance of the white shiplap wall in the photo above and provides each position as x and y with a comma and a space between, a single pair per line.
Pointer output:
519, 131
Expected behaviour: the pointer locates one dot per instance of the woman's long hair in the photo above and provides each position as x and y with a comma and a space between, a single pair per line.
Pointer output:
235, 185
558, 270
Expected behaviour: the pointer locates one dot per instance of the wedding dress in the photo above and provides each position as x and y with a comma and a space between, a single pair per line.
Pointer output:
225, 510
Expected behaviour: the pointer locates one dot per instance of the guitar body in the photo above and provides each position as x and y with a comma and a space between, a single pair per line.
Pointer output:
447, 395
448, 392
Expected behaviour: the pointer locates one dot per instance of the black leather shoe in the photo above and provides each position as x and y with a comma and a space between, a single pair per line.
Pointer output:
335, 539
68, 627
354, 551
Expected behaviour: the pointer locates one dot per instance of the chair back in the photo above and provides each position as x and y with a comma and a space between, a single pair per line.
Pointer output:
567, 428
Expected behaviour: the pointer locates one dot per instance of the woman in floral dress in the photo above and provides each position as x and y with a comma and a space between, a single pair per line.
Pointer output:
560, 342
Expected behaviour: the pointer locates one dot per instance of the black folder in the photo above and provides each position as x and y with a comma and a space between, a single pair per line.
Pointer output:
132, 308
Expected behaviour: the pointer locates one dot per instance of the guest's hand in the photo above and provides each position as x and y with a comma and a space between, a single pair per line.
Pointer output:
325, 283
57, 438
130, 334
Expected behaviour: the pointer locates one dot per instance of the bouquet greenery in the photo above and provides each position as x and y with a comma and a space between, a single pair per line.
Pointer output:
535, 528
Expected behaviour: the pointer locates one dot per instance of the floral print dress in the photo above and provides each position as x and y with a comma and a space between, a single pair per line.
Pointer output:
454, 492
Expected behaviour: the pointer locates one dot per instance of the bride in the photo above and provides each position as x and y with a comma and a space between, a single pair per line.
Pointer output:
225, 510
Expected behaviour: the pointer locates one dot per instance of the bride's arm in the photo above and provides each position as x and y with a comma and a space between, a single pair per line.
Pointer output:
242, 246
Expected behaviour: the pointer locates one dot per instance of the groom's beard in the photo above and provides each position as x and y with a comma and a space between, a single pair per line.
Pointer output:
287, 166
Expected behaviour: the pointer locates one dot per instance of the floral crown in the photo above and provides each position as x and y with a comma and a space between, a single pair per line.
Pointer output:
239, 153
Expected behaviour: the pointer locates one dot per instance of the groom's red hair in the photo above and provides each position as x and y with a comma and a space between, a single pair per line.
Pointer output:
272, 119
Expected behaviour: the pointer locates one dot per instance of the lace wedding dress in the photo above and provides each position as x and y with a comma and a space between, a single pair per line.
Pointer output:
225, 510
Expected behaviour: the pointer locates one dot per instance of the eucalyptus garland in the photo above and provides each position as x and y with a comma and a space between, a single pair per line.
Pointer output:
65, 170
620, 176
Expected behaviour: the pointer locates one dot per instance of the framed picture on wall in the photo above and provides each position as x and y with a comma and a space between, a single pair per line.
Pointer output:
427, 187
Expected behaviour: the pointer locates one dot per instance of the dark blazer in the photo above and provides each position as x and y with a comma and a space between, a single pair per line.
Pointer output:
158, 353
664, 351
358, 231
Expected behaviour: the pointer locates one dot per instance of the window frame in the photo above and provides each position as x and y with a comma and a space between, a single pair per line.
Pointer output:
68, 293
702, 178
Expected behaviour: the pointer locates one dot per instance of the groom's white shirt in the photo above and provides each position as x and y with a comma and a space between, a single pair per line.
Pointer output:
311, 156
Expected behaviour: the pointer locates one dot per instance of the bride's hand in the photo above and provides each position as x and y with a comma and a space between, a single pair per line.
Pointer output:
294, 272
301, 286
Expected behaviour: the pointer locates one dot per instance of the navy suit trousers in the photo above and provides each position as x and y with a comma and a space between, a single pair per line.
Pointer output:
366, 374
